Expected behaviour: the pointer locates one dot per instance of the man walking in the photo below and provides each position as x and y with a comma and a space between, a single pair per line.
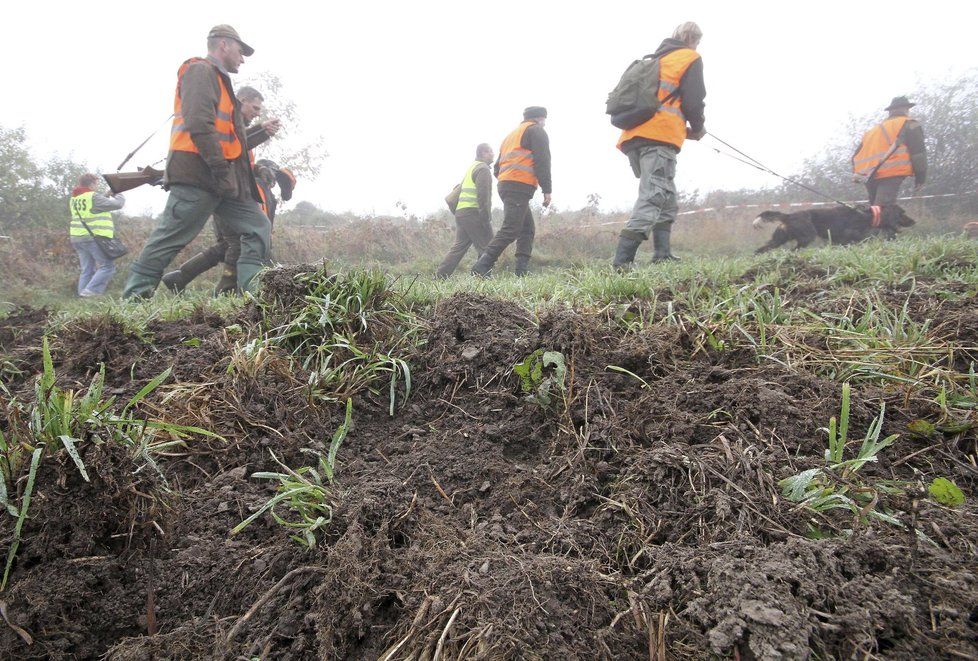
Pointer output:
523, 164
652, 146
207, 169
890, 152
473, 214
90, 217
251, 105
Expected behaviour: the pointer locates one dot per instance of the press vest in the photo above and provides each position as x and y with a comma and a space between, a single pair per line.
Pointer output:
668, 124
876, 143
80, 206
469, 197
516, 162
223, 118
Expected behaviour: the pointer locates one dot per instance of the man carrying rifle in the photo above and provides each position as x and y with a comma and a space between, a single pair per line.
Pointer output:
227, 246
208, 170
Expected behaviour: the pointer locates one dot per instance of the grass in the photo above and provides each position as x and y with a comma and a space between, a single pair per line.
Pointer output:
61, 419
305, 492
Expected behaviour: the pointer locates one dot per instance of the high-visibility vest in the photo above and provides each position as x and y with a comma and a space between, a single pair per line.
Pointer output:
876, 143
223, 118
263, 202
469, 197
80, 208
515, 162
668, 124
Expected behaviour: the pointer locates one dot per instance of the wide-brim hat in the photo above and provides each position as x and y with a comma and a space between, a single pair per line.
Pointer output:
225, 30
899, 102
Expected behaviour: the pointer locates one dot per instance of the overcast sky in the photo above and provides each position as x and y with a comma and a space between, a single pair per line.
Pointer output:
404, 91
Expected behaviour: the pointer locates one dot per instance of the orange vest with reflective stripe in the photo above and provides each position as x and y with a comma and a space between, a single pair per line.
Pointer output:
515, 162
668, 123
876, 143
223, 119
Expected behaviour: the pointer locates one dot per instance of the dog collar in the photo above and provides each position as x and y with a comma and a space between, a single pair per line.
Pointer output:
877, 216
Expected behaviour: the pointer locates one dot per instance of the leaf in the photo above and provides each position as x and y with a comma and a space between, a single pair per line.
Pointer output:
921, 428
946, 492
69, 444
148, 388
26, 503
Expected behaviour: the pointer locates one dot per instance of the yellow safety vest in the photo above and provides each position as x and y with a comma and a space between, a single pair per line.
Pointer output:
80, 208
469, 197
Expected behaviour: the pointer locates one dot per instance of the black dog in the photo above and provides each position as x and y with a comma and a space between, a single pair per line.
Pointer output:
839, 225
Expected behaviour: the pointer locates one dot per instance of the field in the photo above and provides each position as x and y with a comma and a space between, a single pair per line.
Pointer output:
728, 457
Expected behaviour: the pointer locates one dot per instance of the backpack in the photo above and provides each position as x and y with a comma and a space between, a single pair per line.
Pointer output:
635, 98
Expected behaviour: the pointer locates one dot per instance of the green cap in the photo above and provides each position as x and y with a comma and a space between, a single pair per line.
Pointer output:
227, 31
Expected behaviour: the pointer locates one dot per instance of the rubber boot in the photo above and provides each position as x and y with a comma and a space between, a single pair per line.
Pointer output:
628, 243
228, 284
177, 281
660, 243
246, 276
522, 265
139, 285
483, 266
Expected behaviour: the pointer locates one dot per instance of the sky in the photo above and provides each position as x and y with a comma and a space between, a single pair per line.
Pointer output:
403, 92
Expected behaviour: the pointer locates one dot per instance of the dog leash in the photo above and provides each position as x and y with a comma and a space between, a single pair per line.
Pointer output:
756, 164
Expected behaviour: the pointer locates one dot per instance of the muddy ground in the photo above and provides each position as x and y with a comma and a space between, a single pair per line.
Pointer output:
633, 517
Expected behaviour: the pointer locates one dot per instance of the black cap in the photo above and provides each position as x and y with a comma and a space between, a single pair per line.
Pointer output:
899, 102
534, 112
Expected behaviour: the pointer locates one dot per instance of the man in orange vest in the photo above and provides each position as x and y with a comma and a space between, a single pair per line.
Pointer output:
522, 165
889, 153
227, 245
652, 146
208, 170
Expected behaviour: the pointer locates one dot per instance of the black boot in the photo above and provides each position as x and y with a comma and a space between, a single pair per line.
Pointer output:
660, 243
628, 243
483, 266
177, 281
522, 265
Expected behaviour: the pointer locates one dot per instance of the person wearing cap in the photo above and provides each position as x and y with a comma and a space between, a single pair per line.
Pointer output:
227, 242
208, 170
523, 165
890, 152
653, 146
473, 212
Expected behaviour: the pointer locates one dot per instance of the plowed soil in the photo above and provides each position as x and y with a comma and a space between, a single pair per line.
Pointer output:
630, 518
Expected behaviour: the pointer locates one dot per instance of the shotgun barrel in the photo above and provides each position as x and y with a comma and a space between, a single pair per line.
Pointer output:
123, 181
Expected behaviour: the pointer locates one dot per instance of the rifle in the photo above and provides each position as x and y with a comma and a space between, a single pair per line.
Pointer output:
123, 181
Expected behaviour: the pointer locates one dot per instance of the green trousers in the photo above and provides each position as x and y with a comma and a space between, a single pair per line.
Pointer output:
186, 213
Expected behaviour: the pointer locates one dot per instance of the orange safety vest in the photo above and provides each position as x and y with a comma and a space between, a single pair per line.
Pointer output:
668, 124
876, 144
263, 203
180, 139
515, 162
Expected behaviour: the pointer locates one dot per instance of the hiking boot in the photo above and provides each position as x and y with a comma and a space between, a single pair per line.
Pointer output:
628, 243
660, 244
522, 267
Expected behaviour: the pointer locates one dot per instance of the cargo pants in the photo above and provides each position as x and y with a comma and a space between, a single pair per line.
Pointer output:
186, 213
656, 206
